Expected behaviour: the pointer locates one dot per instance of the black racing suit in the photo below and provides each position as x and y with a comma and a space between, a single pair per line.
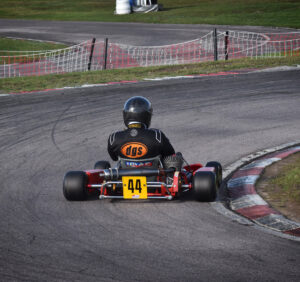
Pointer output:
139, 143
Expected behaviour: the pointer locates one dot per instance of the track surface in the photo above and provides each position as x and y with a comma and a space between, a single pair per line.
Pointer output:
43, 237
126, 33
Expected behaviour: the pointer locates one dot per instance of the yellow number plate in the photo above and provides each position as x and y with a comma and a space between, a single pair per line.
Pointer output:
134, 187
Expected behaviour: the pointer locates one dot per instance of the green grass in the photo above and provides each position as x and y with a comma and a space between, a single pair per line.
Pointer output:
8, 44
19, 84
288, 183
284, 13
27, 45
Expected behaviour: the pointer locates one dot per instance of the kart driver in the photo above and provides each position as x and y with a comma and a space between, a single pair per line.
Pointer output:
138, 142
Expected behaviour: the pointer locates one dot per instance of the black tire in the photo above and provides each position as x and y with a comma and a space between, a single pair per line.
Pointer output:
204, 186
102, 165
74, 186
219, 171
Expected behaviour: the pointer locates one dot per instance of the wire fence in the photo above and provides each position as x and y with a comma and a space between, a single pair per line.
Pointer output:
100, 55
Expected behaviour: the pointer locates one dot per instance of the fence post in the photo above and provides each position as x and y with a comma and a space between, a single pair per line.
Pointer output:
226, 45
215, 45
105, 53
91, 54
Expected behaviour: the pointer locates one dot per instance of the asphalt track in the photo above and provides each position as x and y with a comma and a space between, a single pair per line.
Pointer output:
126, 33
43, 237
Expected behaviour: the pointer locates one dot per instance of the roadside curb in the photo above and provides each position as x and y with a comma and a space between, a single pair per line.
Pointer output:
244, 200
76, 87
195, 76
224, 73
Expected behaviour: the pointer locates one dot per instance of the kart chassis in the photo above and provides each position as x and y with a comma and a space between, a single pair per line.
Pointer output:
108, 181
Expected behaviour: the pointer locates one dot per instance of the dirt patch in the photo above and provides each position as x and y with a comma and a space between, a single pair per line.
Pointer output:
273, 187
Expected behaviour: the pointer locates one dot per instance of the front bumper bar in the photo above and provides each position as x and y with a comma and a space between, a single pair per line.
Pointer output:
169, 197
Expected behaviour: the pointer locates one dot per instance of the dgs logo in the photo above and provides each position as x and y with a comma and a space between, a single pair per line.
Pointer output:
134, 150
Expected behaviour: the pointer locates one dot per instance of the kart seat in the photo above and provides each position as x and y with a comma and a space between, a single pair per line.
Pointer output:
151, 163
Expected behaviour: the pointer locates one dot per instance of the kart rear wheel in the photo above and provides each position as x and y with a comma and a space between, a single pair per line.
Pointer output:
204, 186
102, 165
218, 171
74, 186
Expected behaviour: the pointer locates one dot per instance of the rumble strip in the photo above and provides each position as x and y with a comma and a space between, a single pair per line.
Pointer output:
244, 200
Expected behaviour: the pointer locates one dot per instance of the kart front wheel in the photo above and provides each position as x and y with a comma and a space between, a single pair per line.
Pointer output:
102, 165
74, 186
204, 186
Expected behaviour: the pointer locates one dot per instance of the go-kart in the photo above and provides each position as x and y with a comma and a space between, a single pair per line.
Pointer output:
166, 180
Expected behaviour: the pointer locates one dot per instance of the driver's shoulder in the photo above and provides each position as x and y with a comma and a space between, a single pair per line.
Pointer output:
116, 134
157, 133
154, 129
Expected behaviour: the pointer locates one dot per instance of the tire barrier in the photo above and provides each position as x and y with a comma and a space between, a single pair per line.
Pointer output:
123, 7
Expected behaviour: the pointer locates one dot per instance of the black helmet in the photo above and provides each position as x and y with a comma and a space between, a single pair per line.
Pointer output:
137, 110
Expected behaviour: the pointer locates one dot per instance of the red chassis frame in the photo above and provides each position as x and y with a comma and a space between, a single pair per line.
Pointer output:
182, 182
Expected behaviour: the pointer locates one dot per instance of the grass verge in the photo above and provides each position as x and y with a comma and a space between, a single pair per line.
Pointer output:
9, 44
283, 13
280, 186
19, 84
289, 182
